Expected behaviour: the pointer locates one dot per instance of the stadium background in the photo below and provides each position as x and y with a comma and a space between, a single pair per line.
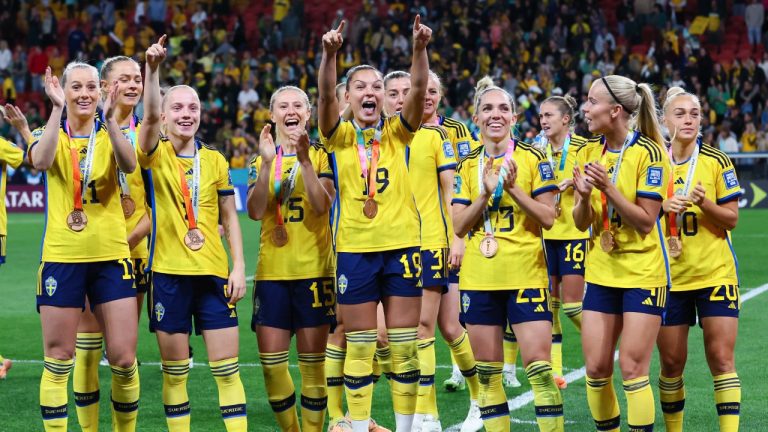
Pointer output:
235, 53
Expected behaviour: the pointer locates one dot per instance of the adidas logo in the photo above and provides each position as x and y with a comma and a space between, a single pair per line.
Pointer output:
610, 170
732, 306
679, 181
648, 302
437, 275
539, 308
233, 314
577, 266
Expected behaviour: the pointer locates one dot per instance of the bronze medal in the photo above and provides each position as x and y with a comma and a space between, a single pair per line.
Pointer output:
129, 206
370, 208
607, 242
489, 246
675, 246
194, 239
77, 220
279, 236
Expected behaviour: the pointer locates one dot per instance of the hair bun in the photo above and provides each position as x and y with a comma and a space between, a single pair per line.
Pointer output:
674, 91
484, 83
570, 101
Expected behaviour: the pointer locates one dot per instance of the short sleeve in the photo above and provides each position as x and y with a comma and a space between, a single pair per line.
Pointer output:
461, 186
444, 154
727, 184
400, 129
36, 134
253, 171
323, 166
653, 176
10, 153
223, 179
150, 160
336, 136
542, 176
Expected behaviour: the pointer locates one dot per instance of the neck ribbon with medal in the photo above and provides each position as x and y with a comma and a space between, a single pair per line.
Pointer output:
77, 220
675, 220
129, 206
607, 237
283, 190
370, 208
563, 158
194, 239
488, 245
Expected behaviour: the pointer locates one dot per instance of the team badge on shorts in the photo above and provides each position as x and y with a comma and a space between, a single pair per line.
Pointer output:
159, 311
465, 302
50, 286
342, 283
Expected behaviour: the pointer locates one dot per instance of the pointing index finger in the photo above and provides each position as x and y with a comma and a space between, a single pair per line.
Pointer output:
417, 22
341, 26
162, 39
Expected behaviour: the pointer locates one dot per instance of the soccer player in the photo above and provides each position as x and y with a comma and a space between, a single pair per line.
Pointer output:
190, 273
291, 190
376, 224
503, 197
702, 207
120, 76
566, 246
12, 155
619, 180
432, 164
85, 252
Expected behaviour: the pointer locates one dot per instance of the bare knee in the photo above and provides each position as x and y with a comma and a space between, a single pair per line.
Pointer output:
672, 364
720, 362
632, 367
450, 328
59, 352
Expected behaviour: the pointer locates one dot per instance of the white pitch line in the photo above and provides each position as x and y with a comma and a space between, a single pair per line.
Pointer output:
527, 397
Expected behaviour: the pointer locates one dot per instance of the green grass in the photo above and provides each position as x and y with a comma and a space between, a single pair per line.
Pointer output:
20, 340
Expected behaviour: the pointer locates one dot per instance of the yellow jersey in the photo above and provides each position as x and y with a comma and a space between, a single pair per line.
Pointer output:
136, 184
309, 251
103, 238
13, 156
519, 262
708, 258
564, 227
396, 226
461, 138
431, 154
638, 261
168, 254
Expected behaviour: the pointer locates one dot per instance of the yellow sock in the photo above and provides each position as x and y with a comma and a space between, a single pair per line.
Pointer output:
510, 347
85, 380
546, 396
728, 400
280, 390
573, 312
557, 338
603, 404
376, 371
358, 366
384, 361
125, 397
314, 398
641, 408
53, 393
427, 375
405, 369
461, 351
334, 378
231, 394
175, 397
491, 398
672, 395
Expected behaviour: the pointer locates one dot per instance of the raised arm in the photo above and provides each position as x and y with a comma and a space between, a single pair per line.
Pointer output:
582, 209
45, 150
149, 134
16, 118
319, 197
327, 105
413, 107
125, 154
258, 194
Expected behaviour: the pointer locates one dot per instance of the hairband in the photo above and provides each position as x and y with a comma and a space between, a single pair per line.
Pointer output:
613, 95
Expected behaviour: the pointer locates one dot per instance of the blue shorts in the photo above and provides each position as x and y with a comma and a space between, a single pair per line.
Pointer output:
434, 273
617, 301
3, 241
140, 275
68, 284
565, 257
295, 304
719, 301
175, 299
371, 276
498, 308
453, 276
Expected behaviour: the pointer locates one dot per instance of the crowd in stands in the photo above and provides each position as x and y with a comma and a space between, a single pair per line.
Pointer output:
236, 52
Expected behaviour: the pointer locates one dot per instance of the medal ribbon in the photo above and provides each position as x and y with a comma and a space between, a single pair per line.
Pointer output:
279, 193
675, 220
85, 175
191, 200
125, 188
608, 209
563, 159
496, 199
369, 175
